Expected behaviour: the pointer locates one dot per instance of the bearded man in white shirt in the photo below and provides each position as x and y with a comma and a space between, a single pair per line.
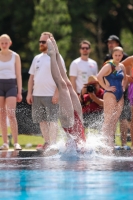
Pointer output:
43, 94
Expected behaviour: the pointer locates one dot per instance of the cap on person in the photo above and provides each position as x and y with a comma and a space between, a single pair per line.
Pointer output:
115, 38
92, 80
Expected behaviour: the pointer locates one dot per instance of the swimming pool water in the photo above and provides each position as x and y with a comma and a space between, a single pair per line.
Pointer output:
55, 179
64, 185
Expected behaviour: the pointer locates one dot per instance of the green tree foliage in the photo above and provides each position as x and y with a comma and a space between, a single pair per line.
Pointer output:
15, 20
51, 16
127, 41
95, 20
85, 24
70, 21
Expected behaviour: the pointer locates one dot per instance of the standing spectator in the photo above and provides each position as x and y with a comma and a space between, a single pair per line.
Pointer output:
43, 94
91, 98
125, 119
128, 63
10, 90
112, 78
112, 42
82, 67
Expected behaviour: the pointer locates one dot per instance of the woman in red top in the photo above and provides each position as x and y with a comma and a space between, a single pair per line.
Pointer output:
92, 103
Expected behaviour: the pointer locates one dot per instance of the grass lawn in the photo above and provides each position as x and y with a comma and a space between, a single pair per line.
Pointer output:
23, 140
30, 139
33, 140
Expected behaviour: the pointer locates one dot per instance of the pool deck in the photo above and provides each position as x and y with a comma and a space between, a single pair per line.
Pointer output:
34, 153
26, 153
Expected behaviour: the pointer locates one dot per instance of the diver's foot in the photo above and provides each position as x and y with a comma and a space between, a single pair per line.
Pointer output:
51, 49
54, 44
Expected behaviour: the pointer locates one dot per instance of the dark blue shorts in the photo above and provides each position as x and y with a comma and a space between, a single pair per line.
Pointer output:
8, 88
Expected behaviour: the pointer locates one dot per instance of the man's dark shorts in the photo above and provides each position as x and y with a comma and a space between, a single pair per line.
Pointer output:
44, 110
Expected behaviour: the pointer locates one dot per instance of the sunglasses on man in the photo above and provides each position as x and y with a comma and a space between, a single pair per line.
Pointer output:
84, 48
42, 42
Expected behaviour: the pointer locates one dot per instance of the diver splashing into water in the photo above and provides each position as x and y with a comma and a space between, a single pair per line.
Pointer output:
70, 107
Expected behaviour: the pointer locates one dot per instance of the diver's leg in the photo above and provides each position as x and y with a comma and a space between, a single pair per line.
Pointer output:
65, 103
77, 130
74, 97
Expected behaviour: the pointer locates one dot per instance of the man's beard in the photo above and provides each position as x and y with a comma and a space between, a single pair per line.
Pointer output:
43, 48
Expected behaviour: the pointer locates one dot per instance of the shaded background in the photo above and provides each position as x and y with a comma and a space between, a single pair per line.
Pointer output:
70, 21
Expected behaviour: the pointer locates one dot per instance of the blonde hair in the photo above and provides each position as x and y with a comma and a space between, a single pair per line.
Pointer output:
117, 49
47, 33
6, 36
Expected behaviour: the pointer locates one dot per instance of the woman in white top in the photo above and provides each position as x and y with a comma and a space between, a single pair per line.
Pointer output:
10, 90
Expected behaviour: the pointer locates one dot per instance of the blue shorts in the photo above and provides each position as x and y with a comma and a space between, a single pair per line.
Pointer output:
8, 88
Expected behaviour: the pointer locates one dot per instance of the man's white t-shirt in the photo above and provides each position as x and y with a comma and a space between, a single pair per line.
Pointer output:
82, 70
44, 84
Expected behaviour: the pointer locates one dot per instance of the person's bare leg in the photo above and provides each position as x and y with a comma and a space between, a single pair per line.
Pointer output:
123, 130
53, 131
65, 103
11, 107
3, 122
44, 126
110, 119
129, 124
118, 111
131, 127
74, 98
